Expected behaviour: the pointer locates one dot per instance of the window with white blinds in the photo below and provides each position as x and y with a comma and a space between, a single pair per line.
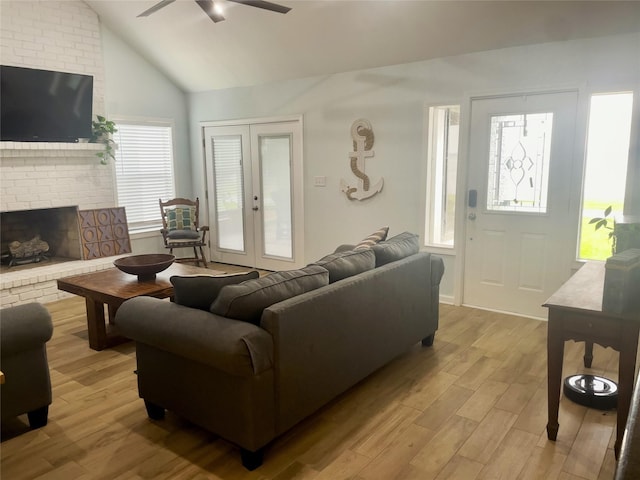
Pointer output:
144, 171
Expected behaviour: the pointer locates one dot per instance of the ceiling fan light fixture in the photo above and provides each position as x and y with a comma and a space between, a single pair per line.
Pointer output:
215, 11
210, 9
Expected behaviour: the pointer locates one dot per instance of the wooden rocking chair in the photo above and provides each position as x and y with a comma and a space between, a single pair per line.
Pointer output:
181, 228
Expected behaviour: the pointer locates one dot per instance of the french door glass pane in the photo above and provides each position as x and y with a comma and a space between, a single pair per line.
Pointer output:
519, 162
227, 165
275, 174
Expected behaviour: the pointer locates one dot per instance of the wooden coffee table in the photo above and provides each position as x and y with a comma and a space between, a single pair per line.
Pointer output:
112, 287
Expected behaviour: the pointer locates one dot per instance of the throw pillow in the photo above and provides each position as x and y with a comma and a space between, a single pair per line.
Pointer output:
199, 291
247, 300
376, 237
396, 248
348, 263
181, 218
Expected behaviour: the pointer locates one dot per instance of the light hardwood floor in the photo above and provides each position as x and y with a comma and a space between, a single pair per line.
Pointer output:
473, 406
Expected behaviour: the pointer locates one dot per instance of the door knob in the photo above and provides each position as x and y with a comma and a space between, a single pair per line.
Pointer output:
471, 216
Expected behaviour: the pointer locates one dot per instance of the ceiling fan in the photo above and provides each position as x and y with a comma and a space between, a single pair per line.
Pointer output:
209, 7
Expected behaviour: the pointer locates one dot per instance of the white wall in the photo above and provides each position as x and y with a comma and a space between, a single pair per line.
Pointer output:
136, 90
393, 99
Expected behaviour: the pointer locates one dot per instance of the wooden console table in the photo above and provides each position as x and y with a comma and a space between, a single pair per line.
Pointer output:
112, 287
575, 313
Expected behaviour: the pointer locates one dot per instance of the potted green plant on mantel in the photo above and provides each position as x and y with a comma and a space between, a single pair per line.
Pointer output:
101, 131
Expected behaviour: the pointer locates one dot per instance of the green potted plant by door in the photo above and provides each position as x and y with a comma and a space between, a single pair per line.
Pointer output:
608, 223
101, 132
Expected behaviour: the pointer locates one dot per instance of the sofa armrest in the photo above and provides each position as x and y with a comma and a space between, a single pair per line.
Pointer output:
437, 270
24, 327
236, 347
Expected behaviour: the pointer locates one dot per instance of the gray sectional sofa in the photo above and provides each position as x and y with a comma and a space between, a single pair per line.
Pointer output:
270, 351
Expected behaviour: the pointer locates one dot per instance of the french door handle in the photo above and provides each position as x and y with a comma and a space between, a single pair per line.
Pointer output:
255, 209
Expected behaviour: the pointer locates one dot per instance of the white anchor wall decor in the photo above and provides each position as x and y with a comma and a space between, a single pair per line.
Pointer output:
362, 135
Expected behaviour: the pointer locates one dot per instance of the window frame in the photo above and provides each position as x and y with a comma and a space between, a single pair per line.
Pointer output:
155, 224
432, 176
632, 166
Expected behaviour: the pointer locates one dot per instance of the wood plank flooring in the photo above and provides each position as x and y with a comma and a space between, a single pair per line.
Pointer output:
473, 406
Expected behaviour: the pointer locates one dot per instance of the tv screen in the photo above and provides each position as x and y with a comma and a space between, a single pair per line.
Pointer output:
44, 106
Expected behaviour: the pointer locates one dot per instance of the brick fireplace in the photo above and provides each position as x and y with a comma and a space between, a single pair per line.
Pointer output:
62, 36
40, 181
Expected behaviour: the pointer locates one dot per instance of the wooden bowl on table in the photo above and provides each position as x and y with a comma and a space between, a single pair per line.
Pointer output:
145, 266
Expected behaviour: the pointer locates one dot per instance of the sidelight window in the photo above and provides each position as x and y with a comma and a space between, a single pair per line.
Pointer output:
442, 158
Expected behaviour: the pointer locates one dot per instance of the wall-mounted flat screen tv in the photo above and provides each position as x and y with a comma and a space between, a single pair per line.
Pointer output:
44, 106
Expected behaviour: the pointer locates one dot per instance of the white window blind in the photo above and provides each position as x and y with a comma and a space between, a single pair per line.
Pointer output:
227, 164
144, 171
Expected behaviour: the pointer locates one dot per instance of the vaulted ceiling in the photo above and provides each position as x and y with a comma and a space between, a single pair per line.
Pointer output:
318, 37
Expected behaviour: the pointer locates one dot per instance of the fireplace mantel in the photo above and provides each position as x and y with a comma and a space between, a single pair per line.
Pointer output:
37, 149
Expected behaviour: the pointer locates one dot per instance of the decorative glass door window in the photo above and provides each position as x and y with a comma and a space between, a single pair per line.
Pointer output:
519, 155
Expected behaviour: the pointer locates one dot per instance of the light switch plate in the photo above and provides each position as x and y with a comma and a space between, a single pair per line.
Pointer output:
320, 181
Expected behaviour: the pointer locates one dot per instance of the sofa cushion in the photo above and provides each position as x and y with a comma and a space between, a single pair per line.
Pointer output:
396, 248
199, 291
247, 300
376, 237
348, 263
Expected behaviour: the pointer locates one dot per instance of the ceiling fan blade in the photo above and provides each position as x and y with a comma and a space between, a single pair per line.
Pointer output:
273, 7
156, 7
209, 9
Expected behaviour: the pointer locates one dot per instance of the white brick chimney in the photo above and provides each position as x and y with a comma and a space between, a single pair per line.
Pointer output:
62, 36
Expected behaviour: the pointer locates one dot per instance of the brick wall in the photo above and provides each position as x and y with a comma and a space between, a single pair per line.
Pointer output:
41, 175
51, 35
62, 36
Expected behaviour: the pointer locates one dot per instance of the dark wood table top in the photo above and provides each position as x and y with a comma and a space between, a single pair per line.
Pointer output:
583, 293
113, 286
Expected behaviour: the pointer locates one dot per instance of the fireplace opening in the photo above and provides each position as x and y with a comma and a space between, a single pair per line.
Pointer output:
29, 237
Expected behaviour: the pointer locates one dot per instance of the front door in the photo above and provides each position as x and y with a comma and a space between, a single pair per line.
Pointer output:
520, 239
255, 194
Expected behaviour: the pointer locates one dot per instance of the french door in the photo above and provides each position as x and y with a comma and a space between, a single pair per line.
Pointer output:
520, 237
255, 194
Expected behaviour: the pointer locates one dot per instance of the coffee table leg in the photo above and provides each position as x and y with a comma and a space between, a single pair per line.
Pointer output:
96, 325
112, 309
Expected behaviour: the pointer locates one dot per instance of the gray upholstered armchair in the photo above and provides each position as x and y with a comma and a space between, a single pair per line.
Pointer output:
24, 331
